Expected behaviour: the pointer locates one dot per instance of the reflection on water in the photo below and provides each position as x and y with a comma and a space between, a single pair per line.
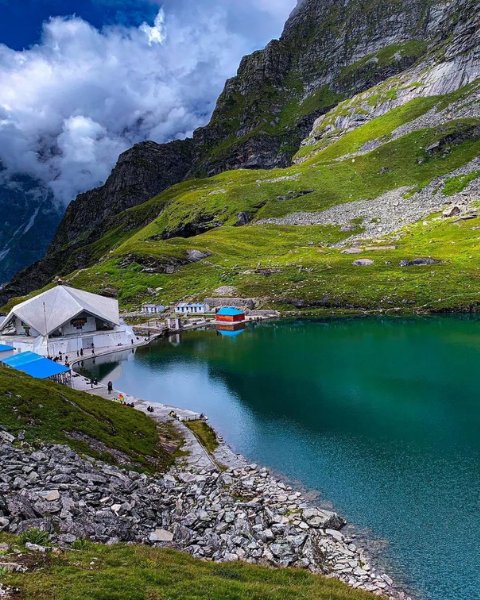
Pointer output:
230, 329
382, 416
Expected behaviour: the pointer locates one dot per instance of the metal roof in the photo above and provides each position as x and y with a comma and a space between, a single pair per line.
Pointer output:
48, 311
35, 365
184, 304
230, 311
4, 348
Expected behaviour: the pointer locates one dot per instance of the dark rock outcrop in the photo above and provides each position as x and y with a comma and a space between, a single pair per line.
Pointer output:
140, 173
420, 262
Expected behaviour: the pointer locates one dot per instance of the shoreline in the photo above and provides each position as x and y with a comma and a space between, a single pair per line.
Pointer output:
343, 558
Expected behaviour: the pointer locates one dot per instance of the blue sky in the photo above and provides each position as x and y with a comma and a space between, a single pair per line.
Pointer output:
21, 20
83, 80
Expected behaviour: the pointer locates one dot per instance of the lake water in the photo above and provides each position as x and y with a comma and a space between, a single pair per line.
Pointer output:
381, 416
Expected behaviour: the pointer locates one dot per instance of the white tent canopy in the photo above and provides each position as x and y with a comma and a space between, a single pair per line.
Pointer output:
48, 311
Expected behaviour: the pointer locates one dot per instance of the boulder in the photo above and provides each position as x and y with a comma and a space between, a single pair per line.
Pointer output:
50, 495
36, 547
419, 262
363, 262
336, 535
452, 211
196, 255
160, 536
6, 437
243, 218
320, 518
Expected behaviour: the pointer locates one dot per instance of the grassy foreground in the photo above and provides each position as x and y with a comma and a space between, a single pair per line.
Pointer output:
53, 413
122, 572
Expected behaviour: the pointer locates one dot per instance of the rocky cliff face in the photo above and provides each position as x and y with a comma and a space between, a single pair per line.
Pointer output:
451, 62
330, 51
29, 218
140, 173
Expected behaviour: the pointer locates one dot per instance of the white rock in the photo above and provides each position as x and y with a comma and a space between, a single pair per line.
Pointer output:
50, 495
160, 535
6, 437
335, 534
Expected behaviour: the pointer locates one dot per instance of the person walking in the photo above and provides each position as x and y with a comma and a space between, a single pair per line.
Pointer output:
110, 387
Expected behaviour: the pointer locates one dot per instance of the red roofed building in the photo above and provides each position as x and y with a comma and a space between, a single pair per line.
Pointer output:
229, 314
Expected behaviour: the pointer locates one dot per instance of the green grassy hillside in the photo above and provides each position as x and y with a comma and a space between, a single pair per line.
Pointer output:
121, 572
52, 413
287, 266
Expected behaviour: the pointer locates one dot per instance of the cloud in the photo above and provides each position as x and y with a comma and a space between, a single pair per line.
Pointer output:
72, 103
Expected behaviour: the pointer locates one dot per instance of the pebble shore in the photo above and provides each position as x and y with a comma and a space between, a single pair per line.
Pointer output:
237, 511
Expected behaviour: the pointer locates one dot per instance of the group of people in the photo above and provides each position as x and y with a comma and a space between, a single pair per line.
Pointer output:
150, 409
80, 352
64, 358
61, 358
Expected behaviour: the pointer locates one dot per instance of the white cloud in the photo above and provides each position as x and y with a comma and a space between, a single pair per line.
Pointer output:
72, 103
155, 34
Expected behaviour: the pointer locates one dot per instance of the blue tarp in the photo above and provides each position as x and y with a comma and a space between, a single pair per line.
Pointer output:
35, 365
21, 359
43, 369
230, 311
4, 348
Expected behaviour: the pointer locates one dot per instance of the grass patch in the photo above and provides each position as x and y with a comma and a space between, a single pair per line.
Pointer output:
457, 184
35, 536
98, 572
49, 412
205, 434
305, 269
411, 49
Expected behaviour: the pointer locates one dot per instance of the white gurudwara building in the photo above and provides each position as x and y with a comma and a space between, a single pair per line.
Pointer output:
66, 320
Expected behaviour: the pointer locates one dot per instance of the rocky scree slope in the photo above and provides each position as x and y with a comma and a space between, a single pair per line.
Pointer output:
418, 124
239, 514
80, 467
329, 50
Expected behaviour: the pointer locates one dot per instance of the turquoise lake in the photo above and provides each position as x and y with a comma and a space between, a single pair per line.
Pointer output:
380, 416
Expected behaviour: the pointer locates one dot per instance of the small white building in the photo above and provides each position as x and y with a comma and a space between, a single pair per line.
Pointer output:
153, 309
66, 320
185, 308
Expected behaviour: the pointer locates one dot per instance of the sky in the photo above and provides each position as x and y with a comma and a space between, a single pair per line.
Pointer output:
83, 80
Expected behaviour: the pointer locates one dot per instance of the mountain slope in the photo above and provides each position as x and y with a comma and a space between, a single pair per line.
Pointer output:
374, 163
29, 219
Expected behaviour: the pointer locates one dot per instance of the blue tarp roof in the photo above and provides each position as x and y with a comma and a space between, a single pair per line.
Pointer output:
43, 369
230, 311
35, 365
4, 348
20, 359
